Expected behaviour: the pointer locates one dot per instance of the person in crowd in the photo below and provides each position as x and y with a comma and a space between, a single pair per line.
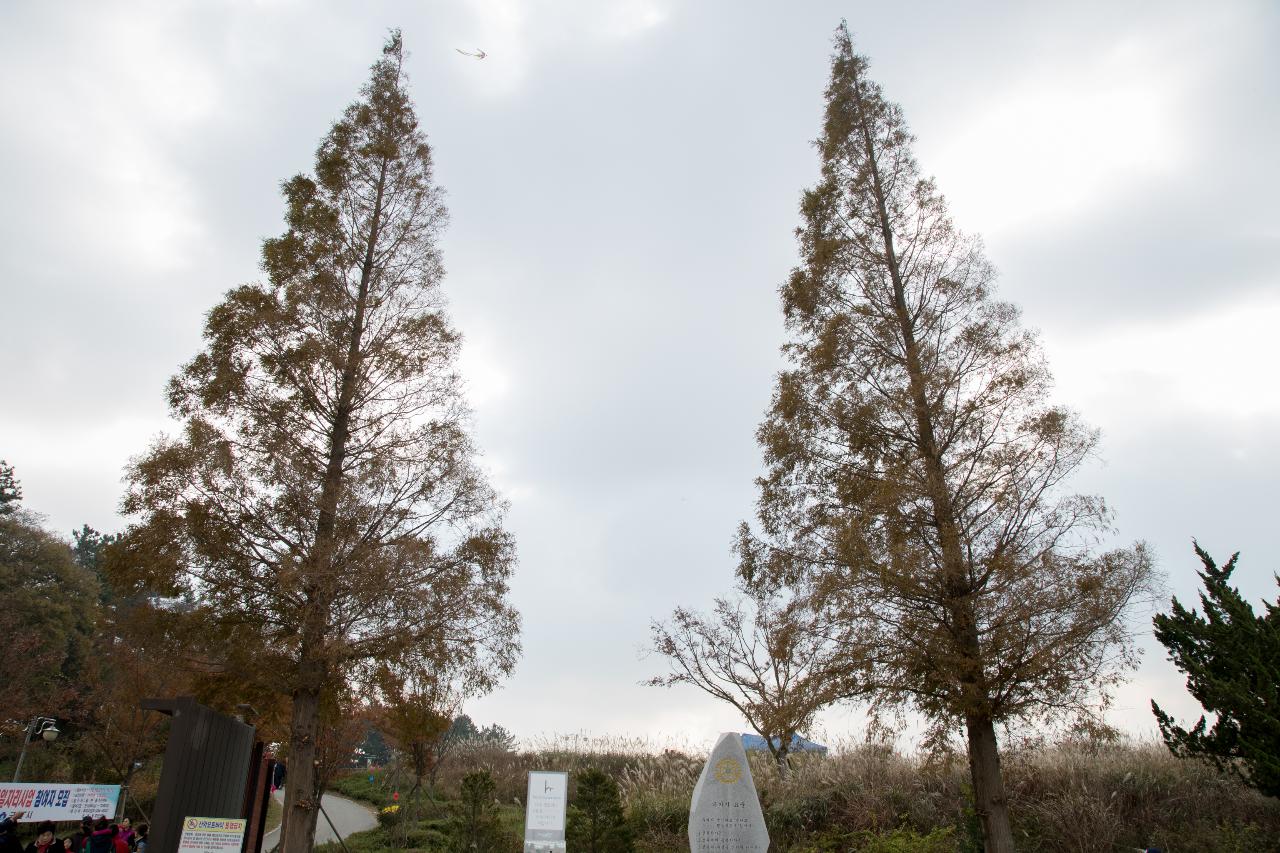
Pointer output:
140, 838
9, 836
126, 832
80, 837
118, 844
45, 842
101, 840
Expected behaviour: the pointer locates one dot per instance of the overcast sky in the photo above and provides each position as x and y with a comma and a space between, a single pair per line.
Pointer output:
623, 180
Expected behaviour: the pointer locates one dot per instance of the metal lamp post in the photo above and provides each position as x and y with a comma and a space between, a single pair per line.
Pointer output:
46, 727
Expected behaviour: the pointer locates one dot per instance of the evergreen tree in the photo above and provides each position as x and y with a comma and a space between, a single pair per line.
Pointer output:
597, 823
497, 736
322, 505
10, 489
88, 545
463, 728
375, 748
1231, 657
474, 826
914, 466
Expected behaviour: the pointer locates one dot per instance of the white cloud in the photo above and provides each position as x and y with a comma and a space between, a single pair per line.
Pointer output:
1084, 125
481, 366
518, 35
1219, 362
631, 17
107, 121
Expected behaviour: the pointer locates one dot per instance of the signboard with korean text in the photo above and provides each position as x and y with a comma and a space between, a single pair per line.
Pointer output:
544, 812
54, 801
212, 835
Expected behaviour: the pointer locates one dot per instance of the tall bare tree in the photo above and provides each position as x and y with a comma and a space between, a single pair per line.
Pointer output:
776, 663
915, 468
323, 495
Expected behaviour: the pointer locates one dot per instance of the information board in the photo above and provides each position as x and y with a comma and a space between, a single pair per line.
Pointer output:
212, 835
38, 801
544, 812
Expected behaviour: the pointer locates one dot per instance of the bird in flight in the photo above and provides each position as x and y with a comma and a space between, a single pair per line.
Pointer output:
477, 53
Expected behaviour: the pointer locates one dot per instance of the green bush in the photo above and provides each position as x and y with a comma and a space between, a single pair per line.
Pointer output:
389, 816
1067, 798
792, 820
656, 813
369, 841
475, 826
357, 785
910, 841
901, 840
597, 823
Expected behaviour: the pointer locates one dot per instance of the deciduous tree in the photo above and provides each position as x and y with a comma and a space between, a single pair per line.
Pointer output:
1231, 657
323, 498
49, 617
776, 663
131, 660
915, 469
415, 714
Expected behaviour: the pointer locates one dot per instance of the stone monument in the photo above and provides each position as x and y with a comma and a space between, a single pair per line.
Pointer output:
725, 815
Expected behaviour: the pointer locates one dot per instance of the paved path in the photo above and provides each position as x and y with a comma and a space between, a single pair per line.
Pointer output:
347, 815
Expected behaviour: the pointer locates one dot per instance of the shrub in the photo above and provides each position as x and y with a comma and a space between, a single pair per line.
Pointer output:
909, 841
364, 785
1076, 796
597, 823
389, 816
474, 825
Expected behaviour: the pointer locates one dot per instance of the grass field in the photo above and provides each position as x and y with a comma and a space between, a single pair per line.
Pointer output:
1079, 798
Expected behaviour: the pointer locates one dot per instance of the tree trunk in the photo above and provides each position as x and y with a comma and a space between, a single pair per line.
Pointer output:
298, 826
780, 752
984, 756
301, 798
988, 785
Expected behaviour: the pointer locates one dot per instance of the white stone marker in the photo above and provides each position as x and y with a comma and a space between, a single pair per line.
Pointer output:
544, 812
725, 815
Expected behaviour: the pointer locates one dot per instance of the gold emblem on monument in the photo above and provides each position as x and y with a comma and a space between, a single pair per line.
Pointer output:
728, 771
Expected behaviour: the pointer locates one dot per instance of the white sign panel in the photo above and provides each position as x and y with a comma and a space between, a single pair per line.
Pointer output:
544, 812
212, 835
57, 802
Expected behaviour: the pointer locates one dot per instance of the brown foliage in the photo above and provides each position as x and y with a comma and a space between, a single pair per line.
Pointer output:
777, 663
416, 709
48, 619
321, 505
915, 477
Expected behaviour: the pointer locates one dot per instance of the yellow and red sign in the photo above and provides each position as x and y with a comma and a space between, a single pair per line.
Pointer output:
212, 835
